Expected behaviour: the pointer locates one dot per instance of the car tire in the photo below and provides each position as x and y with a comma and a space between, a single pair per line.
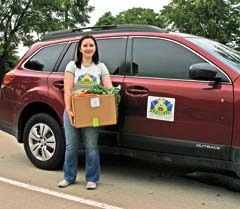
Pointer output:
44, 142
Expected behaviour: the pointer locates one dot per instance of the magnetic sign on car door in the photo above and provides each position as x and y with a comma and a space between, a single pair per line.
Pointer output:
160, 108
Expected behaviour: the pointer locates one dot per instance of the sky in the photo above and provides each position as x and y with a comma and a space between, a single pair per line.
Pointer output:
115, 7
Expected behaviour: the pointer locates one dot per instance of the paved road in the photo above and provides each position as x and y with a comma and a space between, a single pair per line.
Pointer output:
125, 183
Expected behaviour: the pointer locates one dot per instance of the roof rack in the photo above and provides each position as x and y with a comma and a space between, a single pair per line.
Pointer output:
101, 29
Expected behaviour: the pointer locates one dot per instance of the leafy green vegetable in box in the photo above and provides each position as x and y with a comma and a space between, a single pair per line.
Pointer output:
101, 90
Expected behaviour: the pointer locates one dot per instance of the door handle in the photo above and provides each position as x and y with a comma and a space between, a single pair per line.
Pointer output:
58, 84
138, 91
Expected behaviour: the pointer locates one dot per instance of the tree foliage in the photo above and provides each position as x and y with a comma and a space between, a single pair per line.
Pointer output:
139, 16
132, 16
20, 19
106, 19
218, 19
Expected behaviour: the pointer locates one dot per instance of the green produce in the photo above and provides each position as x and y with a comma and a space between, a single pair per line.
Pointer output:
101, 90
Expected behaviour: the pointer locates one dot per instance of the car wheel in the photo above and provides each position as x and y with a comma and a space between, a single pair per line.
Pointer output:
44, 142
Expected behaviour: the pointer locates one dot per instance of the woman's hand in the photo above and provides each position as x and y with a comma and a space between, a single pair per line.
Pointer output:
70, 116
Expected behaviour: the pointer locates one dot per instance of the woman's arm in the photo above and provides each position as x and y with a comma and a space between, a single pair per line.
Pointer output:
68, 86
106, 81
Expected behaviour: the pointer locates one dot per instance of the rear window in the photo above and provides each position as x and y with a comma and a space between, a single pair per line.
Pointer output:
45, 59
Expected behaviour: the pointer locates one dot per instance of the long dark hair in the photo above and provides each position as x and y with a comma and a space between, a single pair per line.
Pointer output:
95, 57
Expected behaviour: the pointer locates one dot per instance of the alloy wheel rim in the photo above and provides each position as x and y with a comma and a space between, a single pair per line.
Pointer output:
42, 142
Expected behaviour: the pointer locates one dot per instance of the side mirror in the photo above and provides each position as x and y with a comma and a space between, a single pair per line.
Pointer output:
203, 71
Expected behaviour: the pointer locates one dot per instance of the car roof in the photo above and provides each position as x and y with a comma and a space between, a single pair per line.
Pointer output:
106, 29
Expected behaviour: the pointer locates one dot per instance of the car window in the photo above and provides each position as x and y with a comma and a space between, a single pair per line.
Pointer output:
69, 55
45, 59
159, 58
112, 53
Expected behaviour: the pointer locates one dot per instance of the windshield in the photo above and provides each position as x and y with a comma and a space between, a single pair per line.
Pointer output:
226, 54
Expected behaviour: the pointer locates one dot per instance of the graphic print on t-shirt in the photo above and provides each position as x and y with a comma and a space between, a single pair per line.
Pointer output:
87, 79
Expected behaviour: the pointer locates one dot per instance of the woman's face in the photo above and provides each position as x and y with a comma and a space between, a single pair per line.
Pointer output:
88, 48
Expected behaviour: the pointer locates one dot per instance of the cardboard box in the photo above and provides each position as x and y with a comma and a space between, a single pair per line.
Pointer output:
93, 111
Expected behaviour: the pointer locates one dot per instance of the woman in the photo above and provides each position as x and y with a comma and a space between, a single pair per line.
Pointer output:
80, 75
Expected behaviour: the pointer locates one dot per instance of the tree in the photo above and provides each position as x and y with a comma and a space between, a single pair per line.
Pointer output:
106, 19
132, 16
139, 16
20, 18
218, 19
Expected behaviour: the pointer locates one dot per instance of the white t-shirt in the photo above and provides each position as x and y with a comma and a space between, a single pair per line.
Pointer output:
86, 76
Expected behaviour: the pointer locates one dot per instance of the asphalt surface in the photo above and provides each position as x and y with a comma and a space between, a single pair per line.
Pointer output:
125, 183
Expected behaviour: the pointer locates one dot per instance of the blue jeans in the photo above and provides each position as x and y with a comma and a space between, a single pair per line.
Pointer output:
92, 162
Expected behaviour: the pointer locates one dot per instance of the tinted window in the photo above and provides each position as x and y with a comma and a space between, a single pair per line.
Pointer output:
45, 59
162, 59
112, 53
67, 57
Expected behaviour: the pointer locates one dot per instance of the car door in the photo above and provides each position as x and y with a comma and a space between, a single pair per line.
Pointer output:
112, 52
165, 111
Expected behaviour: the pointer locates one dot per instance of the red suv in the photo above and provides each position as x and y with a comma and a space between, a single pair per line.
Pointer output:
180, 97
